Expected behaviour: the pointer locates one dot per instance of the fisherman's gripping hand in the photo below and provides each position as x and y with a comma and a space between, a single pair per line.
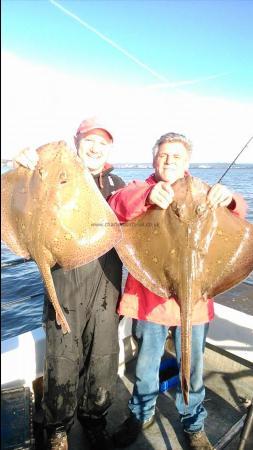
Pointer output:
161, 195
219, 195
27, 157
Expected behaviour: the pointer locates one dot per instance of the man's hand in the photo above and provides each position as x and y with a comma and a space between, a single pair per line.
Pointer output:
161, 195
219, 195
27, 157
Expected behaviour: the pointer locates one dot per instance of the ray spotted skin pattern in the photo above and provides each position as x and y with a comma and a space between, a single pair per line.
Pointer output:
49, 214
181, 245
66, 196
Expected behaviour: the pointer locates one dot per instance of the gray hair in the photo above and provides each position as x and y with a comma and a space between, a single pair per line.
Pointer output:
172, 137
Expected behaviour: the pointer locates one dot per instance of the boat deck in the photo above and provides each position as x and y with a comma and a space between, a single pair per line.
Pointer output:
228, 379
229, 388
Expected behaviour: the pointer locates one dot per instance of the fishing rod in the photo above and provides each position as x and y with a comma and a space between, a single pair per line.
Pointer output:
222, 176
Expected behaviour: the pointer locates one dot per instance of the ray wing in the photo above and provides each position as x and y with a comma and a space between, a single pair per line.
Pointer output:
230, 256
12, 181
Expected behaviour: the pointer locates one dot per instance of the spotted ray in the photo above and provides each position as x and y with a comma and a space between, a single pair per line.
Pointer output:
190, 252
56, 214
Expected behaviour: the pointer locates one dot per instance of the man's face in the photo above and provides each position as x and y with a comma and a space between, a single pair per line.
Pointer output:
171, 161
93, 150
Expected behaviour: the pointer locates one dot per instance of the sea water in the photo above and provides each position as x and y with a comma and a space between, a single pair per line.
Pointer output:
22, 288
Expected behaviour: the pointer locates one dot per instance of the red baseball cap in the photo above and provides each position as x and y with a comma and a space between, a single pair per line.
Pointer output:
91, 124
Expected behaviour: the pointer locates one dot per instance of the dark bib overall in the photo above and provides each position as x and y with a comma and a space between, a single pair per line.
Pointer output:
81, 367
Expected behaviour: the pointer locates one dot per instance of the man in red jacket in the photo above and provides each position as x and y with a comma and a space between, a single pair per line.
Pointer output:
153, 314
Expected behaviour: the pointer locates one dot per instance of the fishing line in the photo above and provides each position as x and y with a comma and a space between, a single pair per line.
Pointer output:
222, 176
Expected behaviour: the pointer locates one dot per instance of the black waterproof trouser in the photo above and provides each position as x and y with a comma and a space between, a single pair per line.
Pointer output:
88, 296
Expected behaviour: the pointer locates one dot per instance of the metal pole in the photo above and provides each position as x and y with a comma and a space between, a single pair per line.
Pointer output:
231, 433
248, 424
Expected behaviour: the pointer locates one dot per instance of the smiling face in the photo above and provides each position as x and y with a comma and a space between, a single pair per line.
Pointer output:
171, 161
93, 149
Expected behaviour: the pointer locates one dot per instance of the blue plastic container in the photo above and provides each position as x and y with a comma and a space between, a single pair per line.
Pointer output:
171, 381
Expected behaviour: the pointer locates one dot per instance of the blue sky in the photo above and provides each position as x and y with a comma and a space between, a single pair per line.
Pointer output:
198, 48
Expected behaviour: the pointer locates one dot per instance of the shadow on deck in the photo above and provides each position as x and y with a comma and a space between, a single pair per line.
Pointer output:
229, 387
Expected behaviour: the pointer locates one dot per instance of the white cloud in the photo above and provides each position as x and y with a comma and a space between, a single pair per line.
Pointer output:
41, 104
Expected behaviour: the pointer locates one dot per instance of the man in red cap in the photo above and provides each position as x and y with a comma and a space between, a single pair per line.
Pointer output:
88, 356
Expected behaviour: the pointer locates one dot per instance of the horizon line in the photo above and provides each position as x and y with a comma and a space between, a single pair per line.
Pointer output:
3, 159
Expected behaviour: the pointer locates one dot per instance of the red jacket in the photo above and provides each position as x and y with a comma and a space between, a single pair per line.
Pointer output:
137, 301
